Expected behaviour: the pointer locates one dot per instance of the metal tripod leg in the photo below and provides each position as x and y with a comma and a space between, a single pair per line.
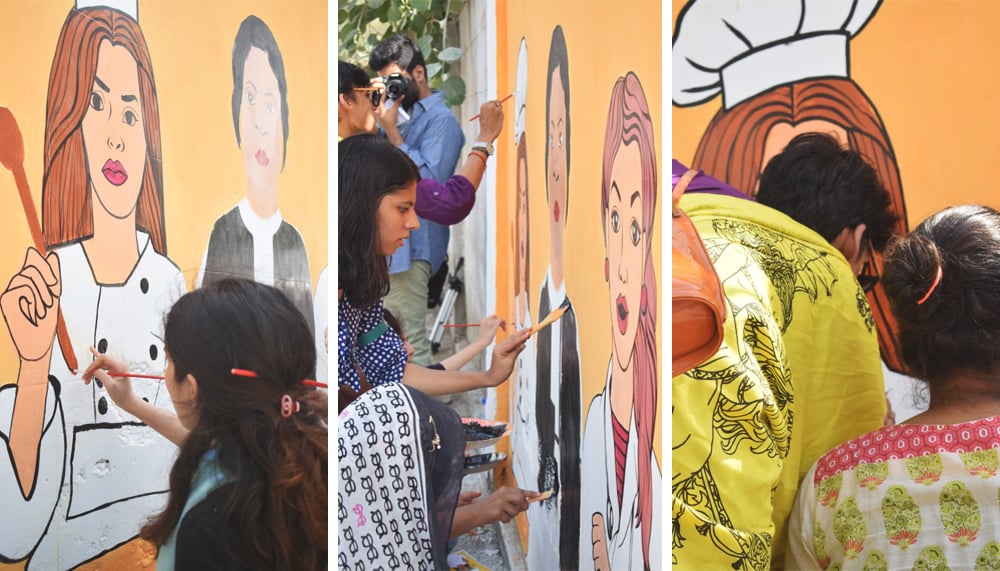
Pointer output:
455, 287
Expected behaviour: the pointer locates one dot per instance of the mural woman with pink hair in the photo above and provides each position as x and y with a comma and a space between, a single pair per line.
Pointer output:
620, 486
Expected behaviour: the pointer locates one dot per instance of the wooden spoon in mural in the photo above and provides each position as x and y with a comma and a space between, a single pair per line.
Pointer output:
12, 157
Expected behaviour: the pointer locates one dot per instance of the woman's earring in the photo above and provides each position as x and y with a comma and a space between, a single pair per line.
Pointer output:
607, 271
642, 301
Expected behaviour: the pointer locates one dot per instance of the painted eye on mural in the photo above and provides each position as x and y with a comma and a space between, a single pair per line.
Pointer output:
96, 101
560, 140
552, 142
615, 222
130, 118
636, 234
270, 107
250, 98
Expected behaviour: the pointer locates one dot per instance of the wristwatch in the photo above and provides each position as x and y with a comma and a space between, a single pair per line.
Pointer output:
484, 147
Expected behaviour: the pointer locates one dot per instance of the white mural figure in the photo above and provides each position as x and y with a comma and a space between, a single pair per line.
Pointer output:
524, 437
252, 240
321, 319
81, 476
620, 479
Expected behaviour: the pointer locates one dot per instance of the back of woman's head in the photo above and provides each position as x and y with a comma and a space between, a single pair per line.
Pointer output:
941, 280
370, 168
277, 462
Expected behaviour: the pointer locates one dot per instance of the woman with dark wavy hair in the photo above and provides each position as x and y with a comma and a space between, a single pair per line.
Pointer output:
376, 196
249, 487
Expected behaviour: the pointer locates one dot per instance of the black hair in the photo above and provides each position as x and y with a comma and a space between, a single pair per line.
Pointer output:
558, 58
275, 509
254, 33
350, 77
393, 322
370, 168
957, 326
398, 49
827, 187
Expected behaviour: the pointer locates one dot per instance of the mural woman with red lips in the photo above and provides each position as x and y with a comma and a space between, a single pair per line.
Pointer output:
76, 460
620, 486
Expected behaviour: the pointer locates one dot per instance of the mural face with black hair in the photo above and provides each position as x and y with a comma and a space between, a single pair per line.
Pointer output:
260, 97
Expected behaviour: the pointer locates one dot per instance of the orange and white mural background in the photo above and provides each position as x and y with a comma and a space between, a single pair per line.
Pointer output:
190, 46
928, 68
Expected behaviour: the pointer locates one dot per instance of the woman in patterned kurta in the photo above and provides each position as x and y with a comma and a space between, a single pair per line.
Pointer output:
377, 194
376, 201
798, 372
924, 494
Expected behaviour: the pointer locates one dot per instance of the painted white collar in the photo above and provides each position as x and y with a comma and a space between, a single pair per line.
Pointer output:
556, 296
255, 224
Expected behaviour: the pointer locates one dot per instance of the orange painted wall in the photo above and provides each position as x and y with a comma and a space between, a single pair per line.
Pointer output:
929, 68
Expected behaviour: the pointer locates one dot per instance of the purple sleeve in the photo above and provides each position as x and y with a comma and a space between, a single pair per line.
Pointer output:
705, 183
447, 203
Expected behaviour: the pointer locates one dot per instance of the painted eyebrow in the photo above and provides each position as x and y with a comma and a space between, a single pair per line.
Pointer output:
101, 84
614, 185
129, 98
635, 196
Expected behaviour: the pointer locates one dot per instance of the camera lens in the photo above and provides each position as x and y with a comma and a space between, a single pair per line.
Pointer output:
395, 85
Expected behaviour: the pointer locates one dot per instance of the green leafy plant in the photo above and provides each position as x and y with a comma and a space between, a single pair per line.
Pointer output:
365, 23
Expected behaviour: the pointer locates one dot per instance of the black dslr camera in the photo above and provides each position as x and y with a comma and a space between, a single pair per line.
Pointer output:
396, 84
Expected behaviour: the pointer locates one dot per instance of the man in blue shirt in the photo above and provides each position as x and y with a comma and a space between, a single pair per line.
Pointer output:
432, 137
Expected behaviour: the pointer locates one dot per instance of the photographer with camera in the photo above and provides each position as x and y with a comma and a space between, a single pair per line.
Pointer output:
447, 203
430, 134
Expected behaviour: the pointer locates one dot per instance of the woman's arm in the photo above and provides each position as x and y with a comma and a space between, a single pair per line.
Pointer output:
120, 391
502, 505
436, 383
490, 125
487, 331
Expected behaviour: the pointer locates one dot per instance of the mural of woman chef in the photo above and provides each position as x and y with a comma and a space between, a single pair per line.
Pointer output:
524, 439
82, 475
783, 69
252, 240
620, 479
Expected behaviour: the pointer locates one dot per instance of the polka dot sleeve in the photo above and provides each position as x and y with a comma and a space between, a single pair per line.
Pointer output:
364, 340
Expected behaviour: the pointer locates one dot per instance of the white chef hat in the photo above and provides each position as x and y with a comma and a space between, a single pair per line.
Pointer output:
746, 47
130, 7
520, 90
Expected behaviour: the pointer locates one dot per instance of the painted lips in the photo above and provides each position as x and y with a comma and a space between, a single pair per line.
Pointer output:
261, 157
622, 305
555, 211
114, 172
